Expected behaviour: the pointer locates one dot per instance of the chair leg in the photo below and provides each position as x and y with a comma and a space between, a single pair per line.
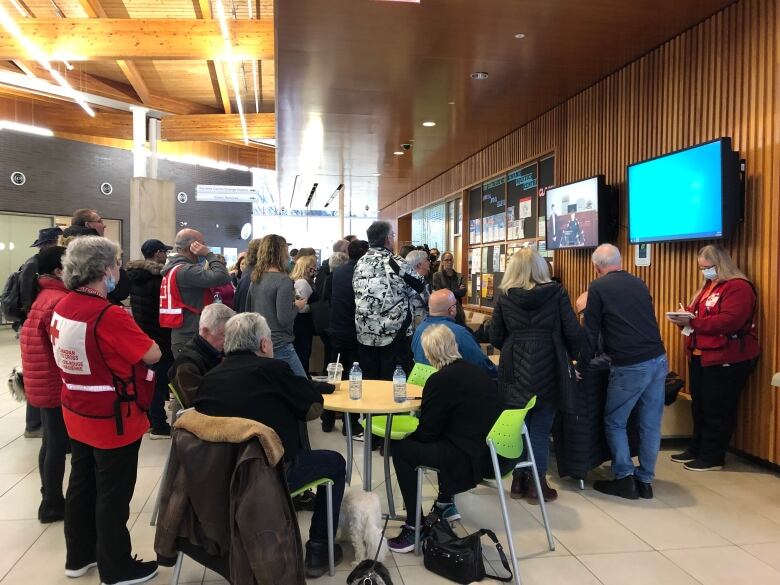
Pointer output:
177, 569
157, 499
505, 512
418, 512
367, 463
582, 485
388, 477
535, 472
329, 504
348, 427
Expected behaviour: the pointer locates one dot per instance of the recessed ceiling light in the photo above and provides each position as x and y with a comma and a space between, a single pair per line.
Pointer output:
377, 175
429, 124
451, 103
398, 152
520, 36
479, 75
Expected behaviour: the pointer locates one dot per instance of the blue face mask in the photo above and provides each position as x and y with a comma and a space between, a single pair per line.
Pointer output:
710, 273
110, 282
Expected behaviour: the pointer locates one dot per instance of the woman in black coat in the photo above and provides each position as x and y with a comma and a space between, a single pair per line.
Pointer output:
537, 332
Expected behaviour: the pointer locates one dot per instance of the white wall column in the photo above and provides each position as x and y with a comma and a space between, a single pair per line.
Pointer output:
154, 137
139, 141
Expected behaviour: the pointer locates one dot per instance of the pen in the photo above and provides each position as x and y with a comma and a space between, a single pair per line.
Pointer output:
682, 307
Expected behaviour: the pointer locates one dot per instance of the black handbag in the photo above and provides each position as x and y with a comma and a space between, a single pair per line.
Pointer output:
459, 559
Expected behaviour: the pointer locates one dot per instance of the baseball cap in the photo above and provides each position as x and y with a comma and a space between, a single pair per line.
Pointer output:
47, 235
150, 247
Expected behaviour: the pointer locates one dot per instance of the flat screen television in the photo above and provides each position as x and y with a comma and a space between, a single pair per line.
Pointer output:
576, 214
691, 194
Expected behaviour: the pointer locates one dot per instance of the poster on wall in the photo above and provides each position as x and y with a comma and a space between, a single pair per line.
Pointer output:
475, 215
484, 258
493, 209
475, 231
497, 259
521, 196
476, 261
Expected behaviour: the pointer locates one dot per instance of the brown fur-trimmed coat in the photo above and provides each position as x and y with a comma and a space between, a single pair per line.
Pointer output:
225, 492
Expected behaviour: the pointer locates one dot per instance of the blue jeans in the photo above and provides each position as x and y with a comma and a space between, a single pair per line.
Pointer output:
640, 385
310, 466
539, 421
286, 353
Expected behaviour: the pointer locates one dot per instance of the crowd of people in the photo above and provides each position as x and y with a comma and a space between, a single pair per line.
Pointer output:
237, 342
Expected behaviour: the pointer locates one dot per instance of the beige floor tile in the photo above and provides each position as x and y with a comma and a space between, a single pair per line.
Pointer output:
145, 483
655, 523
721, 514
9, 480
16, 536
555, 570
142, 537
636, 568
19, 456
769, 552
22, 500
724, 566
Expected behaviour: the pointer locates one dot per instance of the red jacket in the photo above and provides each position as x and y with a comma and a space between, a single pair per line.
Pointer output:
42, 381
724, 328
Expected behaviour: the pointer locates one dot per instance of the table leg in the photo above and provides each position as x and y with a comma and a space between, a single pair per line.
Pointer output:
388, 477
367, 454
348, 427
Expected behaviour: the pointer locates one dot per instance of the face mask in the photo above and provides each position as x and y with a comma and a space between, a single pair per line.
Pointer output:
110, 282
710, 273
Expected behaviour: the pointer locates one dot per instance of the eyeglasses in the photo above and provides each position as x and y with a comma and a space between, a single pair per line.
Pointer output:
455, 304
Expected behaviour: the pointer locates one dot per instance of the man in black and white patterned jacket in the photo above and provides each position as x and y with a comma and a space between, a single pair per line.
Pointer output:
385, 288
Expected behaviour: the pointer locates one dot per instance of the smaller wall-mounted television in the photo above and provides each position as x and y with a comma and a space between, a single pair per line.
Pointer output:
691, 194
579, 214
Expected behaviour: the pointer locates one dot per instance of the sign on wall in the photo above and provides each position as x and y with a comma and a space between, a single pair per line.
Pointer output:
227, 193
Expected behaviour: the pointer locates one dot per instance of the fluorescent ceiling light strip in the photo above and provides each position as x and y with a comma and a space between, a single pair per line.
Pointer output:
19, 8
15, 126
233, 75
10, 25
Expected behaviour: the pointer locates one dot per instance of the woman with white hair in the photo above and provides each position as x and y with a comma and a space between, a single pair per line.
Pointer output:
102, 357
460, 404
537, 332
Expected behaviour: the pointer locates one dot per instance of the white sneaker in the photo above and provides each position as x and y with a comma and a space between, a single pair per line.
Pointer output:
80, 572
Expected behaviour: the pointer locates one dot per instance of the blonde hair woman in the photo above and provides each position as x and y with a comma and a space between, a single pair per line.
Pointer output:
722, 348
302, 276
459, 406
537, 332
272, 294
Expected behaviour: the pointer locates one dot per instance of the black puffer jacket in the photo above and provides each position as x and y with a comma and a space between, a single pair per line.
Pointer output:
534, 329
145, 279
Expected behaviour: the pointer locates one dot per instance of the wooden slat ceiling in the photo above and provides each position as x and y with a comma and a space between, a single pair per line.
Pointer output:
175, 86
372, 71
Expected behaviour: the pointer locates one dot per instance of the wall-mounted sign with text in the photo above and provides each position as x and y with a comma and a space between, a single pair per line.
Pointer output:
226, 193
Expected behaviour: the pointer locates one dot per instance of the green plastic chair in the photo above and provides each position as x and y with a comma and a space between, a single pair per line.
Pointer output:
328, 483
505, 439
401, 426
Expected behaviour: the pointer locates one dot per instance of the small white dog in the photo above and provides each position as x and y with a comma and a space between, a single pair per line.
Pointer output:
360, 520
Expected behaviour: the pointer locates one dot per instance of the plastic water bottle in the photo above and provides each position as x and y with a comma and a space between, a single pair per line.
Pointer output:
399, 385
217, 297
356, 382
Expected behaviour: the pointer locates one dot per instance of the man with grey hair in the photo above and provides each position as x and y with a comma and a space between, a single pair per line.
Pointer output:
384, 286
620, 309
249, 383
188, 277
201, 353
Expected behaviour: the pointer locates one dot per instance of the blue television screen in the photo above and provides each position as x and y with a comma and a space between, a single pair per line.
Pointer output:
680, 196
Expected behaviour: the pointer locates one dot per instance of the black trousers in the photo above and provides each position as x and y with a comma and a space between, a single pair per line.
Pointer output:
157, 416
303, 330
97, 507
715, 391
379, 363
51, 459
32, 418
407, 456
310, 466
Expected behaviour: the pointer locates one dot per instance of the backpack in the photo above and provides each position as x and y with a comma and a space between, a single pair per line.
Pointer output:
11, 298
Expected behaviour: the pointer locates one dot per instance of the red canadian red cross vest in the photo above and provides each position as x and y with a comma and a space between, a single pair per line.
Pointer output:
89, 387
172, 305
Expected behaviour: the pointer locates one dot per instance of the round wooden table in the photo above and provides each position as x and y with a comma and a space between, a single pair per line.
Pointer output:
377, 399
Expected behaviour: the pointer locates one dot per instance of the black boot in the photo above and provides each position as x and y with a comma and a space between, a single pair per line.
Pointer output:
624, 487
317, 557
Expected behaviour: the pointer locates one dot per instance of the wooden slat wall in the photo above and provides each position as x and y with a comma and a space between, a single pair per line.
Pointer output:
721, 78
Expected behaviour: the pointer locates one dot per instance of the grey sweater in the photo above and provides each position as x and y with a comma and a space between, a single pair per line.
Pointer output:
274, 298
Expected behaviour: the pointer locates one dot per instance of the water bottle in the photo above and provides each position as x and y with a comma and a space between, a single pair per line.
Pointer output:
217, 297
399, 385
356, 382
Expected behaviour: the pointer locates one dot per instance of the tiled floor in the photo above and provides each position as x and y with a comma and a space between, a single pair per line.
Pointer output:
712, 528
